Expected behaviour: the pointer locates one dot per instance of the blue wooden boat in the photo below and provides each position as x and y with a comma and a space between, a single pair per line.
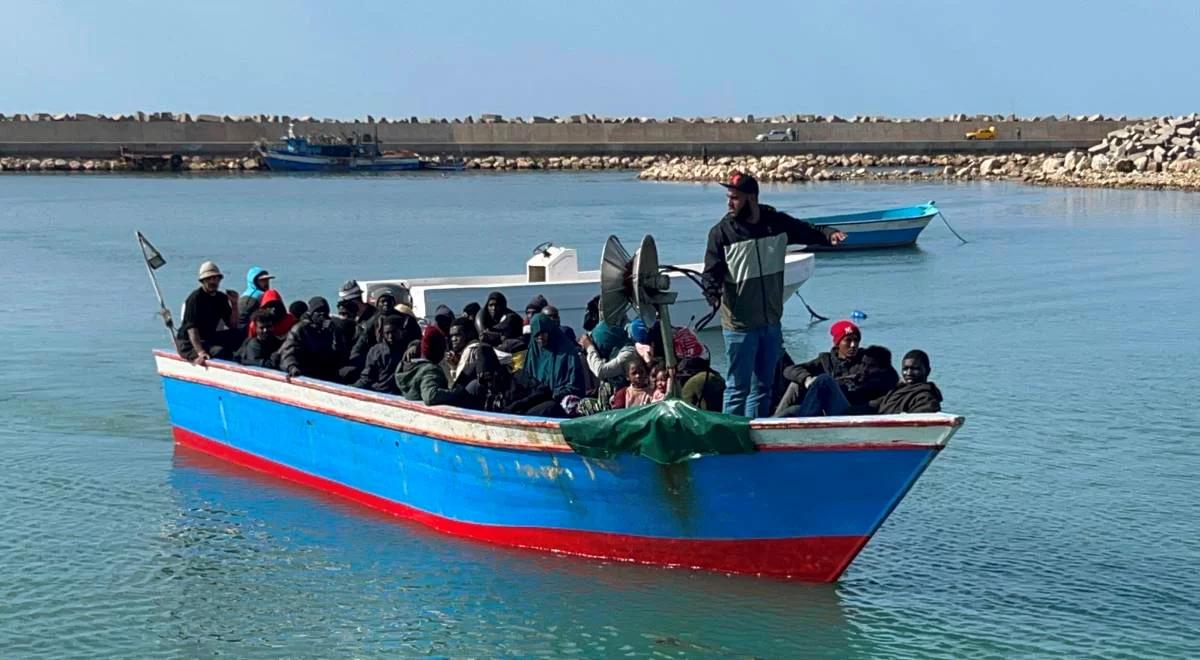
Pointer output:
800, 507
298, 154
877, 229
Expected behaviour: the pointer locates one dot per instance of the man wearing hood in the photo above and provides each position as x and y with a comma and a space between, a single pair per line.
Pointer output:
608, 348
384, 358
358, 326
464, 345
313, 346
281, 319
443, 316
423, 379
258, 281
743, 273
494, 309
914, 393
552, 360
535, 306
204, 311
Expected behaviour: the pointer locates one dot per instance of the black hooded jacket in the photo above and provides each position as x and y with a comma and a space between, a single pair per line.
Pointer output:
259, 353
313, 347
859, 382
364, 337
906, 398
485, 321
379, 372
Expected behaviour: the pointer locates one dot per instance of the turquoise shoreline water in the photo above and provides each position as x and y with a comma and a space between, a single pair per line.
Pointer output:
1060, 521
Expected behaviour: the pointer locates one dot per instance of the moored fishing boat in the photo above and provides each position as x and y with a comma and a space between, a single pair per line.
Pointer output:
357, 154
801, 506
877, 229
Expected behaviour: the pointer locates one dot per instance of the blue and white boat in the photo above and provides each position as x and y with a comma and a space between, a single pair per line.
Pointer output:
878, 229
801, 506
299, 154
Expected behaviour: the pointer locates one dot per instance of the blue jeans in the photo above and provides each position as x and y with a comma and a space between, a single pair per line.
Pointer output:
753, 356
824, 397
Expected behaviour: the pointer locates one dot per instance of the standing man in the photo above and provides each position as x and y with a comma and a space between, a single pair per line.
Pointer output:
743, 273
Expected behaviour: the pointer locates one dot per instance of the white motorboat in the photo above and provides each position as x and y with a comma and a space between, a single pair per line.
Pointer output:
553, 272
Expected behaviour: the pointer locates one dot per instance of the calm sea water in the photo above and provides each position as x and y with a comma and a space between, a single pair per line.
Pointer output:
1062, 520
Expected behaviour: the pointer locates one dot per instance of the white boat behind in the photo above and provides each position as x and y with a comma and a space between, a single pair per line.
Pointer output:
554, 273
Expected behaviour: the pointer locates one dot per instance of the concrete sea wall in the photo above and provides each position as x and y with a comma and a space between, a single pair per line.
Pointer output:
88, 136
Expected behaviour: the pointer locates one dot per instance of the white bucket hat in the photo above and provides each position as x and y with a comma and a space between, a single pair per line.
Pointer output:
207, 270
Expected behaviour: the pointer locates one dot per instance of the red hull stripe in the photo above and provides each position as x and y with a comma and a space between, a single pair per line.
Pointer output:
817, 559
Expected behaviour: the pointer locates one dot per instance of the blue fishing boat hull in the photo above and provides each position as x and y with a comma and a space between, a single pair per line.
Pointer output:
280, 161
888, 228
801, 507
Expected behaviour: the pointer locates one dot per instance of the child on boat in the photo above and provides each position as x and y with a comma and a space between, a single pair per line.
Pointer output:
639, 391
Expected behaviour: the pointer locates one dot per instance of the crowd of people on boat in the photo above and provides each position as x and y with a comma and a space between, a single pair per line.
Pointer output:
490, 357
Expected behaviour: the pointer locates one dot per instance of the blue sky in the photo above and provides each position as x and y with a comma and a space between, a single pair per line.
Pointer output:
454, 58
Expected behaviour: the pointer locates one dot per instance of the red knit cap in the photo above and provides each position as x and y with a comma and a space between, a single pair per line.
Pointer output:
433, 342
841, 329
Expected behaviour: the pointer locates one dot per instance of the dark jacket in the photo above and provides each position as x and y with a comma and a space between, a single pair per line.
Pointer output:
316, 350
859, 382
379, 372
867, 382
556, 365
700, 386
410, 329
259, 353
824, 363
904, 398
364, 338
203, 311
744, 265
422, 380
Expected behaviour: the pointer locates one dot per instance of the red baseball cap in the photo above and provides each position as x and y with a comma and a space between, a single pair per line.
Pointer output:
742, 182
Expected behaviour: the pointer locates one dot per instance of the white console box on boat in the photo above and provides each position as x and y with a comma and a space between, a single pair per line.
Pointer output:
554, 273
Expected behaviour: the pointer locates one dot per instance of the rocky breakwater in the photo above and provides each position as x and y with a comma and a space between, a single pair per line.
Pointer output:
820, 167
1157, 153
185, 163
561, 163
1160, 153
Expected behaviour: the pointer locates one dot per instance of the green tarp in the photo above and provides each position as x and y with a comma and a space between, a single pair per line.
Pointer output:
666, 432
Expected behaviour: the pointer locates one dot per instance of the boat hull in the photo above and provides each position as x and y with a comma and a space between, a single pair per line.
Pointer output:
877, 229
286, 162
802, 507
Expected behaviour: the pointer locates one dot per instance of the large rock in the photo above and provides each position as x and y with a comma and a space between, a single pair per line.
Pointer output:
1123, 165
987, 167
1071, 160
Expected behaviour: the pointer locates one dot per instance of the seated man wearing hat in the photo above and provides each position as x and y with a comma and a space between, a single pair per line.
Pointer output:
208, 329
837, 362
258, 281
358, 327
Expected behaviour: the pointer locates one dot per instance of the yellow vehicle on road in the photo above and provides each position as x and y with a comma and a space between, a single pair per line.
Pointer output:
988, 133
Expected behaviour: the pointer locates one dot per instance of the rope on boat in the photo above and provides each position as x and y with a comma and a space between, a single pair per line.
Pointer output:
697, 278
947, 222
813, 316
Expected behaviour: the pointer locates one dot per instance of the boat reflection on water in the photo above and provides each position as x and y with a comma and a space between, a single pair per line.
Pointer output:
240, 536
